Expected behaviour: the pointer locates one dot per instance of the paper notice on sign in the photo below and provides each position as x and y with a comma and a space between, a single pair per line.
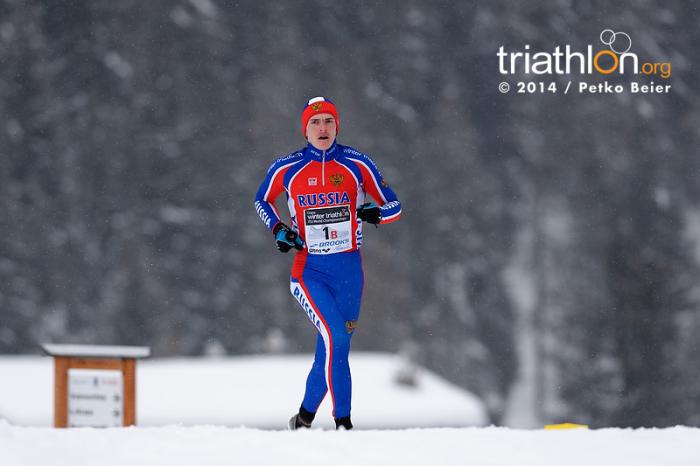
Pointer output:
95, 398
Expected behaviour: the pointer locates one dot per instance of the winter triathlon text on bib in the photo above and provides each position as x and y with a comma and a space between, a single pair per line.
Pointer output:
328, 230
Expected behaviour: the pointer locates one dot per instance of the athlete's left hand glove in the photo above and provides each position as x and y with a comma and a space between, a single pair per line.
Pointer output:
286, 238
370, 213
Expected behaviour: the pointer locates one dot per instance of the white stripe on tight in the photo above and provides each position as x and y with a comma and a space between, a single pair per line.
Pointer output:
313, 313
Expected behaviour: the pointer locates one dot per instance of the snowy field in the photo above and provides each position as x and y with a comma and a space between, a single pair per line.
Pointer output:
260, 391
214, 446
192, 411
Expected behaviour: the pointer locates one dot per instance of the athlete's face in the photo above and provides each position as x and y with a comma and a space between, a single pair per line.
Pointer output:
321, 130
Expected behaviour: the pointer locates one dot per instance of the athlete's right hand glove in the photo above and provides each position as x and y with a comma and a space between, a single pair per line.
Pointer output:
286, 238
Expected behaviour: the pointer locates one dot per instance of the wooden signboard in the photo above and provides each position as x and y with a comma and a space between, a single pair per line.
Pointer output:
95, 385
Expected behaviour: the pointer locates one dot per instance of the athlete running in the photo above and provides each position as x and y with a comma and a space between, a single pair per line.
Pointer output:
326, 185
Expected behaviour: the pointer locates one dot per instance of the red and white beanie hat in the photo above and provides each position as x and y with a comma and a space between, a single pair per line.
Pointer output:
315, 106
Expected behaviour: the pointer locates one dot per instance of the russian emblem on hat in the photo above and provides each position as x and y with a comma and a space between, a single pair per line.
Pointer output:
318, 105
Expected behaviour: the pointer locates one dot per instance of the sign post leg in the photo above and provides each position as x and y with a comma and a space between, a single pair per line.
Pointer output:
129, 392
60, 392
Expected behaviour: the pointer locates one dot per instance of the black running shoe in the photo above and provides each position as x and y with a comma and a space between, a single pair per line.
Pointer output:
296, 423
343, 423
302, 419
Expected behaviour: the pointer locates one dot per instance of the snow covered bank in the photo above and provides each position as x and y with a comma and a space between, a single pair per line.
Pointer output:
213, 446
251, 391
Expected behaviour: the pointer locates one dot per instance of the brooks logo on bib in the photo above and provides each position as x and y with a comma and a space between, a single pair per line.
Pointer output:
328, 230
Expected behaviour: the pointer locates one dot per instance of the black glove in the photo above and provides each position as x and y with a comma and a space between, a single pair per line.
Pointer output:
287, 238
370, 213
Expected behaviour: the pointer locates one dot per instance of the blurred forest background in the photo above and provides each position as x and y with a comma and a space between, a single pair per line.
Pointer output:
548, 253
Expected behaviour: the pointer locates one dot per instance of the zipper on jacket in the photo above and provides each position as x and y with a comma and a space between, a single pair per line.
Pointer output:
323, 169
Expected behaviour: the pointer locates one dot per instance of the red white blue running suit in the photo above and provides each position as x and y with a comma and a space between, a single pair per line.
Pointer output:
324, 189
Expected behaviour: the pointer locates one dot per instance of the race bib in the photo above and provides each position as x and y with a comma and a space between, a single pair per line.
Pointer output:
328, 230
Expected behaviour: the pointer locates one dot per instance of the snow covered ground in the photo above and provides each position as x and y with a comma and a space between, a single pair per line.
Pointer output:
214, 446
175, 395
252, 391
